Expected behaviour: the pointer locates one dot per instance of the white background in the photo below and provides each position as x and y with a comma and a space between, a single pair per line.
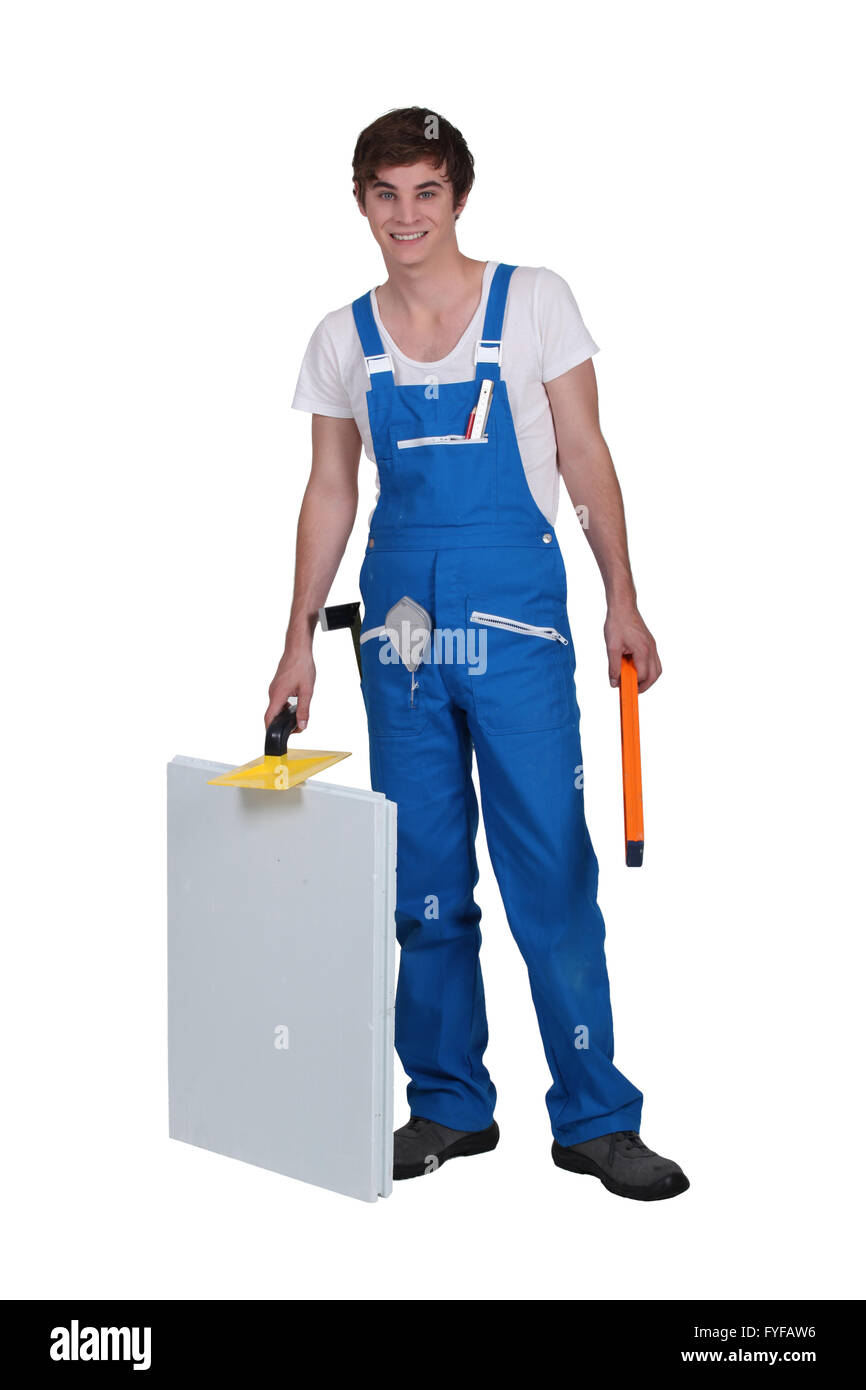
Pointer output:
178, 218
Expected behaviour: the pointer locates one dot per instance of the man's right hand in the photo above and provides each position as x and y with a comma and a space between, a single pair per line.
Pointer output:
295, 675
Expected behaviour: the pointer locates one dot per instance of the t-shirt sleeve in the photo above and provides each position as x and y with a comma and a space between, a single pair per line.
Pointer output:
320, 387
565, 339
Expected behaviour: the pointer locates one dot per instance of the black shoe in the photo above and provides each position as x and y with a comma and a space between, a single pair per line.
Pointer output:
625, 1166
422, 1146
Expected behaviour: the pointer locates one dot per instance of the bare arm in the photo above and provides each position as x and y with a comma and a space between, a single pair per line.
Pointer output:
324, 525
591, 482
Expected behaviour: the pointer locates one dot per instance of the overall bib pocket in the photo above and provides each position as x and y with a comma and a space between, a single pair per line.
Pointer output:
440, 479
520, 657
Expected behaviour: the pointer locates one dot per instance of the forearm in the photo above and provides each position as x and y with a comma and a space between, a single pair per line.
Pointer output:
325, 522
592, 485
324, 525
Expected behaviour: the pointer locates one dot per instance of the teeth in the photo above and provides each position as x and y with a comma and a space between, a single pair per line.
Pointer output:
408, 236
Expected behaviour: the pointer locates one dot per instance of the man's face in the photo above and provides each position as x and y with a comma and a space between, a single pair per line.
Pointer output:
411, 212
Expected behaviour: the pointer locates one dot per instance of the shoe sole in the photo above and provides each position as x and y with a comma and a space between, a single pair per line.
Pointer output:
671, 1185
481, 1142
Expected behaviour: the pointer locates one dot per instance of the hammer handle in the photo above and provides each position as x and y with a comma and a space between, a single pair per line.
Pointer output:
632, 790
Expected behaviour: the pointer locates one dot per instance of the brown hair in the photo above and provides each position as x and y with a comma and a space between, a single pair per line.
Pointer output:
407, 136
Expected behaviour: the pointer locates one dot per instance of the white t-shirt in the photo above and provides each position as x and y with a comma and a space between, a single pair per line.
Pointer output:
543, 335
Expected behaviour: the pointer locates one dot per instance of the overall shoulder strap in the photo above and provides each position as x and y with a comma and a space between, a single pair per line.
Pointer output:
488, 351
380, 368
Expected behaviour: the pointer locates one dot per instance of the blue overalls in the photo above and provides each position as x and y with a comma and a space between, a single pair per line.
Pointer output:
457, 529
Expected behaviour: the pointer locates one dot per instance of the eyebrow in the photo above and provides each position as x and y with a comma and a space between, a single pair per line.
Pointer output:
428, 183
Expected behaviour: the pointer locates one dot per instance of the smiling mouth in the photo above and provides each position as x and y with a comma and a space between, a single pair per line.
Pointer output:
406, 236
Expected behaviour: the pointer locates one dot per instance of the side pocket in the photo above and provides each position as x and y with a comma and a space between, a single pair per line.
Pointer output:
394, 709
521, 662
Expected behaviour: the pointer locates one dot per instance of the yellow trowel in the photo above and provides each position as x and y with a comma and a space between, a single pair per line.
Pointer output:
279, 769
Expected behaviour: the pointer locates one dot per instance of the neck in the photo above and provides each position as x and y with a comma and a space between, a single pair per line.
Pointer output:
431, 287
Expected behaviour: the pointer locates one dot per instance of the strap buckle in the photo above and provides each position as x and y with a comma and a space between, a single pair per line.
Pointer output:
380, 363
488, 350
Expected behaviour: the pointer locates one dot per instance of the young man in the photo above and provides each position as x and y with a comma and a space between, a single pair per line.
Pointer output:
461, 540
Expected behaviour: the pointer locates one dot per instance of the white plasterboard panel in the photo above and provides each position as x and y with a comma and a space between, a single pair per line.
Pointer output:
281, 917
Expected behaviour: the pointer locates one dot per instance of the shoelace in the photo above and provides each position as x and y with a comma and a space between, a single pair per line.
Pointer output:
629, 1139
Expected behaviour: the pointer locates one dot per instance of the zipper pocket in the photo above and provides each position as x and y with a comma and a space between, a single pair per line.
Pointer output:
512, 625
439, 439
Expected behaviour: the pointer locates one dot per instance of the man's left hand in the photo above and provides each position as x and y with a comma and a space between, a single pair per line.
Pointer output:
626, 634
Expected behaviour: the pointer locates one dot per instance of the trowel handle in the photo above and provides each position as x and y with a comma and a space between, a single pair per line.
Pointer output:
344, 615
277, 736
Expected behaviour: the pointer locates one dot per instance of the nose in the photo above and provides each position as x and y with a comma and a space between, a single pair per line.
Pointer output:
406, 214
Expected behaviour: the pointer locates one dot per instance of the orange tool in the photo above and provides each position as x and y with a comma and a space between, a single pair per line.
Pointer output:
632, 792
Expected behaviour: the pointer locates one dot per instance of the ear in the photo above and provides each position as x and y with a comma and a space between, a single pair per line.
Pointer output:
460, 206
360, 205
